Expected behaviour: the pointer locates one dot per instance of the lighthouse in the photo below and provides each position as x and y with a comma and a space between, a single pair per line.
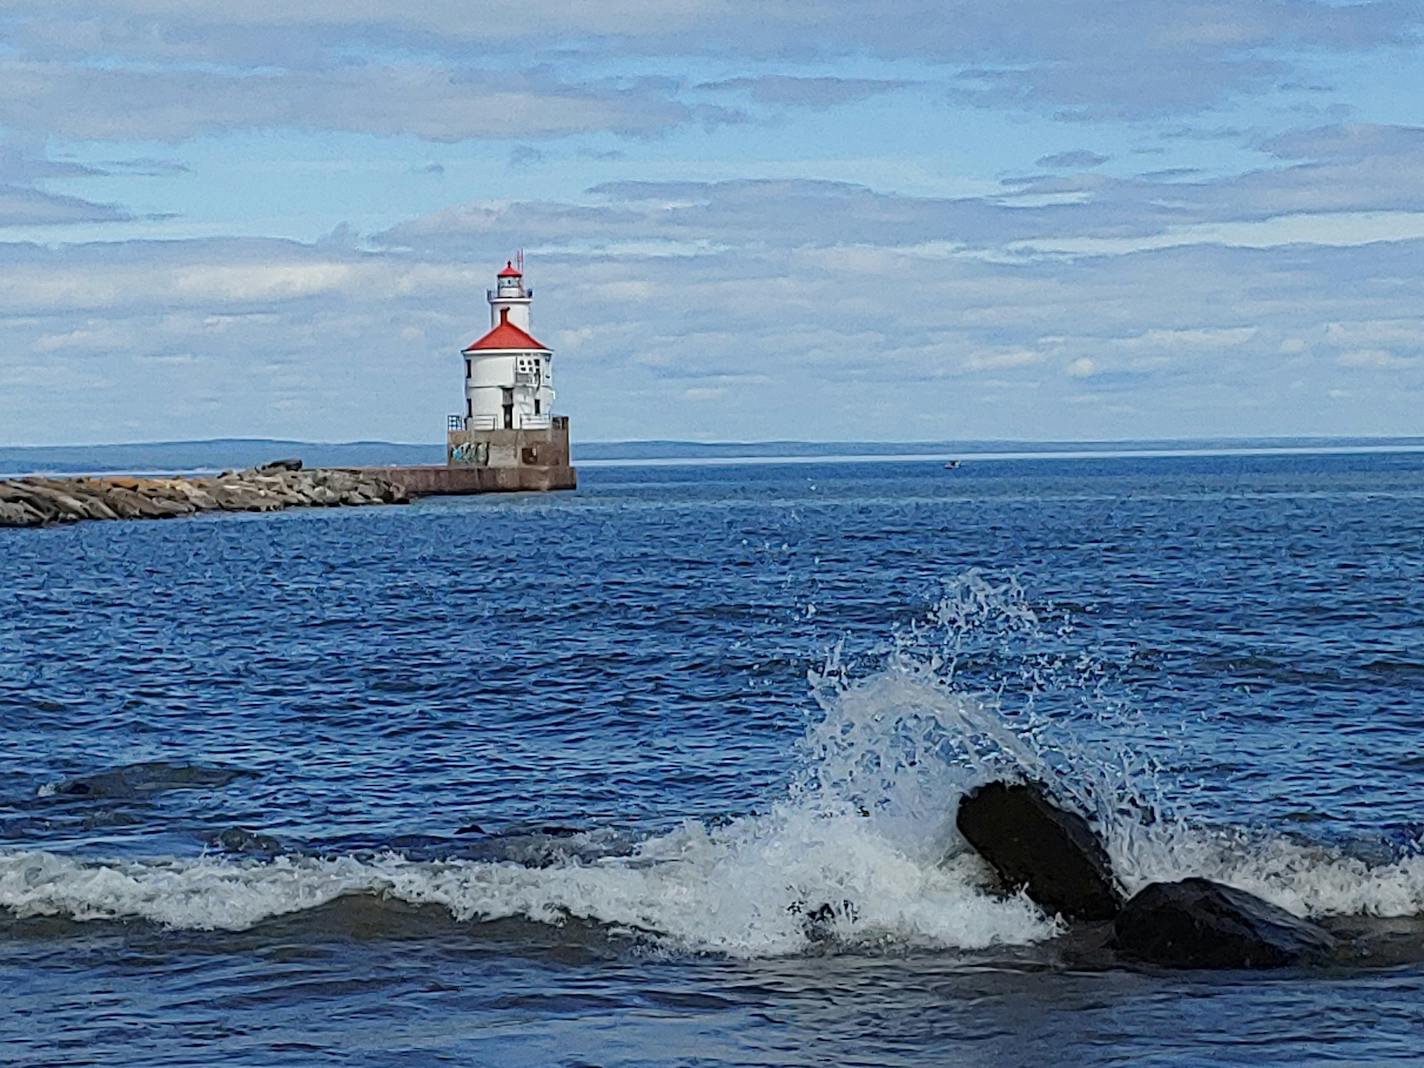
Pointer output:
508, 421
509, 376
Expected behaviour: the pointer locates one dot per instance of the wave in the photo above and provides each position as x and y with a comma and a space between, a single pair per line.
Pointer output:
766, 886
747, 889
859, 851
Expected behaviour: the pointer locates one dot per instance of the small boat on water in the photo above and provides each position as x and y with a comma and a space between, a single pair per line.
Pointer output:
953, 465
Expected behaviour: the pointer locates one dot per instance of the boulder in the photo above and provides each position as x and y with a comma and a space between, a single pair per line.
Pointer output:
76, 495
338, 482
192, 492
1197, 923
46, 509
235, 497
275, 486
129, 504
290, 464
18, 514
95, 506
162, 499
1041, 848
55, 505
160, 489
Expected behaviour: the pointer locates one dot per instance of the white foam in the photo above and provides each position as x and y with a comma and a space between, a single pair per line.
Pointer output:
1309, 880
865, 828
742, 890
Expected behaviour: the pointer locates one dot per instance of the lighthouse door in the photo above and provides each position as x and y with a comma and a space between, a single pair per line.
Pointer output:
508, 400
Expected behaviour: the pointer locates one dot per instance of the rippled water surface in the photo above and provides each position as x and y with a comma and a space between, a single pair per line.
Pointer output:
664, 771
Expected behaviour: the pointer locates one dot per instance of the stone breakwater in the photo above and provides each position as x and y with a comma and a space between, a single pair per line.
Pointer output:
38, 501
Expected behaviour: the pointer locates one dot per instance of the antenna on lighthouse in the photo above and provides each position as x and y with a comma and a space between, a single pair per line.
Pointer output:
519, 259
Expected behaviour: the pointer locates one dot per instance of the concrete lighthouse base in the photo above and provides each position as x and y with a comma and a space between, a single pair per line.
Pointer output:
527, 459
435, 481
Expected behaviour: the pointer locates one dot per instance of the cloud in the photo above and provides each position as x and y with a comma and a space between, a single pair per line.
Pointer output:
1407, 333
1347, 141
1000, 361
211, 275
196, 338
1078, 157
780, 90
1377, 359
20, 206
1061, 213
23, 203
1178, 298
525, 156
143, 167
168, 70
421, 101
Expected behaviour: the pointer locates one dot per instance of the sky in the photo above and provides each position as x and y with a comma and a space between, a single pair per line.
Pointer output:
899, 221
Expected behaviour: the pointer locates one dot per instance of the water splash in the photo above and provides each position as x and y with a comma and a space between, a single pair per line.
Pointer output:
859, 851
984, 686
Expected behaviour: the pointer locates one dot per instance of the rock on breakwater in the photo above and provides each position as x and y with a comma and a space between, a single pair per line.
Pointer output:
37, 501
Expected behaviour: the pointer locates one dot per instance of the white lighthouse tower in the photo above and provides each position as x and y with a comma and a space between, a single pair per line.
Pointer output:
509, 376
508, 420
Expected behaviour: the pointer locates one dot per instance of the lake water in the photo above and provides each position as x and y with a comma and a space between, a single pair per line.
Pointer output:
561, 779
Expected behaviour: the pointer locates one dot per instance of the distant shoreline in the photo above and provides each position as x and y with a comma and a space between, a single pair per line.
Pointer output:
972, 457
191, 457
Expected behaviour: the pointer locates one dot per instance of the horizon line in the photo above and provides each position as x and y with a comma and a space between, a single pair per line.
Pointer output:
748, 442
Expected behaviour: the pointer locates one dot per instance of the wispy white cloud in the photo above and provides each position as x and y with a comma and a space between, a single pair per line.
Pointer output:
1377, 359
168, 69
424, 101
1089, 301
1073, 158
1172, 341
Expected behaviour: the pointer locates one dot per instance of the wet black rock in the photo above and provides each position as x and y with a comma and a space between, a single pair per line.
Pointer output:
149, 777
241, 840
287, 464
1037, 846
1197, 923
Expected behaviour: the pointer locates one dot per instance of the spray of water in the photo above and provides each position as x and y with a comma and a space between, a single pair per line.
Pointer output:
859, 851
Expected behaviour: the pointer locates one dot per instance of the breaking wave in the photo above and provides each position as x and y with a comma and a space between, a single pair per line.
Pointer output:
859, 851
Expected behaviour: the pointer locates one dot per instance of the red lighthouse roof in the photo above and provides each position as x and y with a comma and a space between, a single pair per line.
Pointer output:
510, 271
506, 336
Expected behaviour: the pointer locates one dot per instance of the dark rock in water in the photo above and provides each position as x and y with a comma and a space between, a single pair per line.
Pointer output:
1197, 923
1033, 844
150, 777
241, 840
289, 464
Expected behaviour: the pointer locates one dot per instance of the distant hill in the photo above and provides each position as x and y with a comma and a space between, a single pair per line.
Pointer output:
223, 453
670, 450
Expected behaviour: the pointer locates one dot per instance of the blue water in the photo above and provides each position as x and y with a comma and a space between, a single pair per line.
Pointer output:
555, 779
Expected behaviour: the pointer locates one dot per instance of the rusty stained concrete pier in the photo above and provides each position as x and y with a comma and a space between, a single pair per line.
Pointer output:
447, 481
529, 459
